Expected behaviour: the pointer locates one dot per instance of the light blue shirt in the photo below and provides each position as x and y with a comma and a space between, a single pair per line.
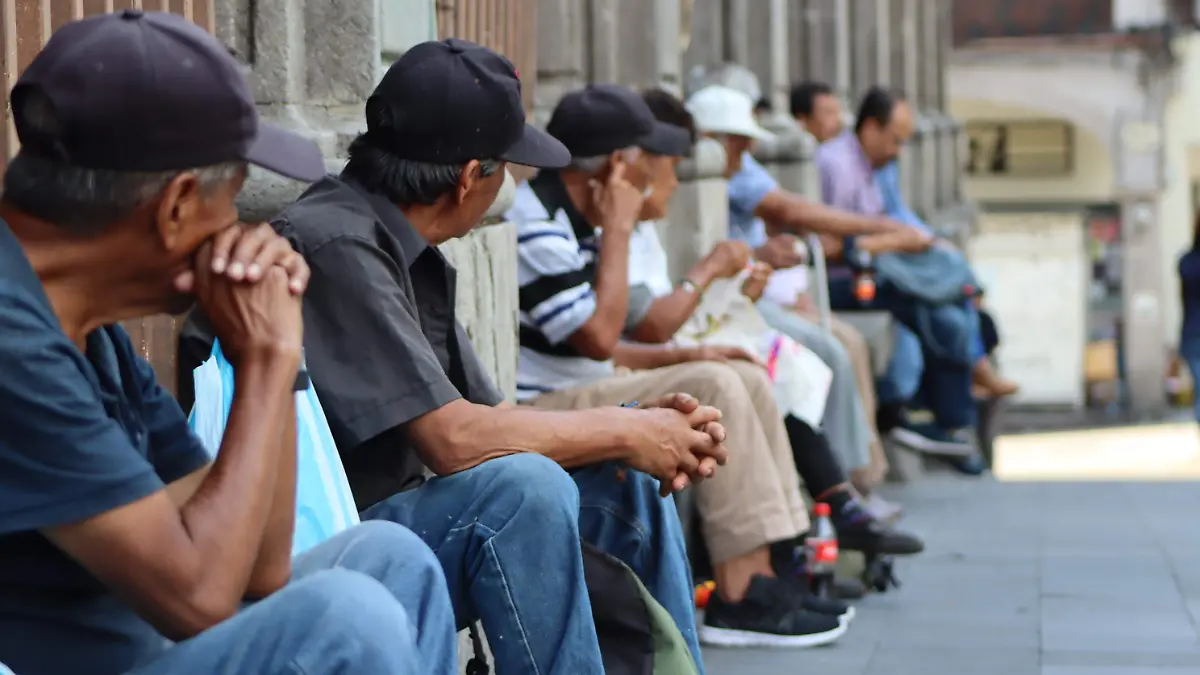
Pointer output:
888, 181
747, 188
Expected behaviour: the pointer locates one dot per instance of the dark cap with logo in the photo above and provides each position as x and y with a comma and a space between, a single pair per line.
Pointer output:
452, 101
604, 118
147, 91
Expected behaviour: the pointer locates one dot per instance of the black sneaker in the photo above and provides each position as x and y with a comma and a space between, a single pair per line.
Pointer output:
767, 617
858, 530
788, 563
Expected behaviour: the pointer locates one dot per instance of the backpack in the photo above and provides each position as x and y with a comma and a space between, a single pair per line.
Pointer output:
637, 635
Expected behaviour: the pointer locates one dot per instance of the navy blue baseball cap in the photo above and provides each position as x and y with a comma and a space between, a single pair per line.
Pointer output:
452, 101
148, 91
603, 118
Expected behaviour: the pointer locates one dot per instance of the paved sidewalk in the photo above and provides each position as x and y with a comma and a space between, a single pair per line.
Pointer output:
1024, 578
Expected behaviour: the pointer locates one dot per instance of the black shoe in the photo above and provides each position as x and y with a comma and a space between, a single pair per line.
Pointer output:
870, 536
849, 589
788, 563
767, 617
827, 606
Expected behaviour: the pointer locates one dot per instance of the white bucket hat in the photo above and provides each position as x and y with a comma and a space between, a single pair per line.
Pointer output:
722, 110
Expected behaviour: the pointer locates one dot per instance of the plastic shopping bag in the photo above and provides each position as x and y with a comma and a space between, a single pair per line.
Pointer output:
324, 503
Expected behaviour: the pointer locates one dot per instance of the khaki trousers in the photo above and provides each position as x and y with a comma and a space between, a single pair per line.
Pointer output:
866, 477
753, 500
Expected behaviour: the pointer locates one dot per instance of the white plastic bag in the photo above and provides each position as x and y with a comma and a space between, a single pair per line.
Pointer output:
726, 317
324, 503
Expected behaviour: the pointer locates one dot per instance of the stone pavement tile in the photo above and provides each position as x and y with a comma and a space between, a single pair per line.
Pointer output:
1111, 659
1118, 670
966, 631
838, 659
949, 661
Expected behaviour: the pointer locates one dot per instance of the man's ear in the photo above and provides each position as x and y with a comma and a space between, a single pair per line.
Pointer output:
466, 180
178, 204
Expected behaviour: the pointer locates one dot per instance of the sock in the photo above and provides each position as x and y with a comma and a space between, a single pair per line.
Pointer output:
845, 509
787, 557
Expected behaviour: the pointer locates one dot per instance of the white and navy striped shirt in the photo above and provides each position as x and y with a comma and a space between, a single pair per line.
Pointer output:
555, 269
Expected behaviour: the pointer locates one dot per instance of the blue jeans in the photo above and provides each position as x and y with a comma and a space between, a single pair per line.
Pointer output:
945, 388
371, 600
631, 522
902, 379
1189, 349
507, 534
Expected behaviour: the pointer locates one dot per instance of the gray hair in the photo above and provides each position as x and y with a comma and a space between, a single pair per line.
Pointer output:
589, 165
88, 200
404, 181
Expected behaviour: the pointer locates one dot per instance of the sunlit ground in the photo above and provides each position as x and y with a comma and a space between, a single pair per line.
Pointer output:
1162, 452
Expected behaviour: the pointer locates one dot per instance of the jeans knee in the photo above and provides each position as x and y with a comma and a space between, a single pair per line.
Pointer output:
379, 547
348, 619
538, 487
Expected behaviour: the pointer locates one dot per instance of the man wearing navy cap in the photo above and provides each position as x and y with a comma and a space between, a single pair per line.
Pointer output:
116, 529
402, 386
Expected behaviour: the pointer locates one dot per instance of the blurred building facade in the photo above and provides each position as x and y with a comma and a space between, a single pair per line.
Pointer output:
1083, 119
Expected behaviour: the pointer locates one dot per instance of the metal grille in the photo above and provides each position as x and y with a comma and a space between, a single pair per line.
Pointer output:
507, 26
27, 25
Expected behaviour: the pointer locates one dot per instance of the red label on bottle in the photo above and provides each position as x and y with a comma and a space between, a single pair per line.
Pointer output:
864, 290
824, 552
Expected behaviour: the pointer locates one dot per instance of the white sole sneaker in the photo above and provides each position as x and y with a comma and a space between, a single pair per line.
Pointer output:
914, 441
728, 637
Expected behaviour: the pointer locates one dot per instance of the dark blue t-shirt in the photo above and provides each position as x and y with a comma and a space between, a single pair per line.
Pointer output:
1189, 280
81, 433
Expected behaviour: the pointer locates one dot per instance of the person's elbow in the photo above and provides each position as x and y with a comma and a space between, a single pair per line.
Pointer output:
271, 579
192, 612
447, 439
653, 331
595, 341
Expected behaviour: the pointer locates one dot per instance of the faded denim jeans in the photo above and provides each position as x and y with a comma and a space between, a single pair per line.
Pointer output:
507, 534
370, 600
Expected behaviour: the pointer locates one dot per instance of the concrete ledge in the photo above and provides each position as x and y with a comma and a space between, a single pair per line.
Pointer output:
707, 161
791, 143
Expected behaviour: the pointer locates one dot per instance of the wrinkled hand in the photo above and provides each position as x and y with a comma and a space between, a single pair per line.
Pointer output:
729, 258
618, 202
756, 283
259, 319
245, 252
724, 353
781, 252
681, 442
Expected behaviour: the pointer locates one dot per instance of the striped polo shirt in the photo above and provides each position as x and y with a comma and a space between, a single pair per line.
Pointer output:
556, 264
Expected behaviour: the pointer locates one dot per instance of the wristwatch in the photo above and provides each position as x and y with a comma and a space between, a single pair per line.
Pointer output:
691, 287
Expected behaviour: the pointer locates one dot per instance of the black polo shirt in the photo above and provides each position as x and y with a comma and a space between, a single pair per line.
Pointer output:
381, 340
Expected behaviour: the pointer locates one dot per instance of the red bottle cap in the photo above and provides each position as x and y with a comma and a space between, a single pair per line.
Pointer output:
821, 510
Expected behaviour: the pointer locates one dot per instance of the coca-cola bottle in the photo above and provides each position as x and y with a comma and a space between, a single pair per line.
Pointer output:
821, 551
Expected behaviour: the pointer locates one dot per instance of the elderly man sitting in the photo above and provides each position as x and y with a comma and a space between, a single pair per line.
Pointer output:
118, 532
402, 385
573, 238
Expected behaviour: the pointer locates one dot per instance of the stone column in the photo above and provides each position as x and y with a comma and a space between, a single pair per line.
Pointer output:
561, 54
708, 43
758, 39
698, 215
311, 65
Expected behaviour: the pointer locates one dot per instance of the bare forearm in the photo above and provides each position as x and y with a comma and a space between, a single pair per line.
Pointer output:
473, 434
273, 568
907, 241
645, 357
226, 518
612, 287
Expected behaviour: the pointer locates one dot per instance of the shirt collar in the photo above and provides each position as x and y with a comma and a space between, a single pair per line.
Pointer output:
552, 193
411, 241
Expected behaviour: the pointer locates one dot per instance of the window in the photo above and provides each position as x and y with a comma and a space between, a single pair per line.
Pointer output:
1019, 148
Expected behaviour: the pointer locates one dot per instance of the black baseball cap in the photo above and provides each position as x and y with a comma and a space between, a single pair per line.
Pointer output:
148, 91
453, 101
603, 118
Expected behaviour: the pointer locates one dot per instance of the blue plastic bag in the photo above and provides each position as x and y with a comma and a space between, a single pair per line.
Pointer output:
324, 503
